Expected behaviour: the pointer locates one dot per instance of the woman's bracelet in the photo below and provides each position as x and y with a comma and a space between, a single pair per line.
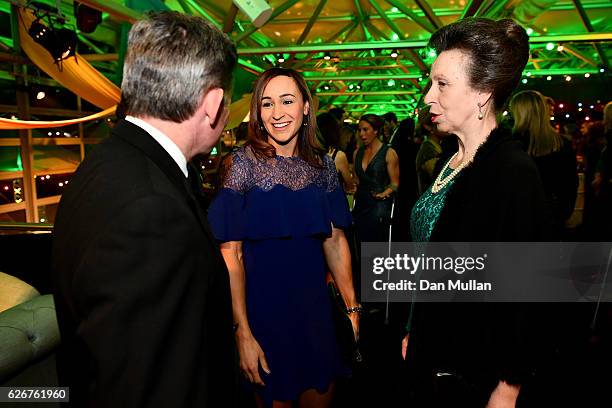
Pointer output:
354, 309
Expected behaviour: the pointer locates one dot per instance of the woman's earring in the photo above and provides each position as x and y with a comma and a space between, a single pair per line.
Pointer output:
305, 121
480, 115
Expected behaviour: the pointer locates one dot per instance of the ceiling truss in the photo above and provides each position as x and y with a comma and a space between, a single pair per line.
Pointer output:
366, 52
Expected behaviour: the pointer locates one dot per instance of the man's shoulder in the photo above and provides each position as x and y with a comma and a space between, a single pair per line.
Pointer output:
114, 173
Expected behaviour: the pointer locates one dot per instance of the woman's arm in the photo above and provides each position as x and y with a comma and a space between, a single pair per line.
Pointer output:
504, 396
394, 175
251, 354
338, 258
342, 165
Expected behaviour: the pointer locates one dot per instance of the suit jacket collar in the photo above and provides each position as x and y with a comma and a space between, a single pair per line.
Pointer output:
140, 139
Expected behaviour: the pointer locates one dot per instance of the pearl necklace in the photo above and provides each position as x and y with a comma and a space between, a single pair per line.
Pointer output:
440, 183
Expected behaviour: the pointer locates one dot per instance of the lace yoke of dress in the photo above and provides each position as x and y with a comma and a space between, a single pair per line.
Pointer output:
246, 171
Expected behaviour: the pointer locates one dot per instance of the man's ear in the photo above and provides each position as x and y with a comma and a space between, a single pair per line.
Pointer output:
213, 104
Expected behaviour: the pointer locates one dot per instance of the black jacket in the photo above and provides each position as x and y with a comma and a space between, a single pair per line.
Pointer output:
141, 290
498, 198
559, 179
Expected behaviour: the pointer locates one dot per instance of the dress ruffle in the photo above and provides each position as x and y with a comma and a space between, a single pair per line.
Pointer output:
284, 213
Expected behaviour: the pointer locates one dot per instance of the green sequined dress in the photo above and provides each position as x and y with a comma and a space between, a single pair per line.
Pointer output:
427, 209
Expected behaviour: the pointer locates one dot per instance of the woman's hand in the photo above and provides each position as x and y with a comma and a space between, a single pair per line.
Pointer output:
405, 345
504, 396
350, 188
251, 357
383, 196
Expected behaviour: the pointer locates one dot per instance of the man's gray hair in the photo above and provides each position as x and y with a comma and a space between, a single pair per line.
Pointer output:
172, 61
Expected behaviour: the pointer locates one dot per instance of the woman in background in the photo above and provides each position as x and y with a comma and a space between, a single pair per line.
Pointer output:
377, 169
330, 130
553, 156
602, 181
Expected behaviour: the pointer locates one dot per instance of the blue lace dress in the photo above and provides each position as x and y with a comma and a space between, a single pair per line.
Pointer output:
282, 209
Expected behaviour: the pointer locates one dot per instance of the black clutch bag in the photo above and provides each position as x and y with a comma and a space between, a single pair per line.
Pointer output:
344, 328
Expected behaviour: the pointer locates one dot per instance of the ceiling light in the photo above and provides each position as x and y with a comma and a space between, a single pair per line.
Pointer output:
550, 46
258, 11
87, 18
40, 95
61, 43
327, 56
394, 54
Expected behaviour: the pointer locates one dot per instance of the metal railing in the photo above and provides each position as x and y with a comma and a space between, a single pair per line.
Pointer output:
35, 227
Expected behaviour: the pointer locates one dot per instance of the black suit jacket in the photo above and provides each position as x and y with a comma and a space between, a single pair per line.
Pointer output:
141, 289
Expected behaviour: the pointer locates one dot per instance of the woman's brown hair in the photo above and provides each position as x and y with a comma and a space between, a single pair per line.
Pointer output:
498, 53
308, 148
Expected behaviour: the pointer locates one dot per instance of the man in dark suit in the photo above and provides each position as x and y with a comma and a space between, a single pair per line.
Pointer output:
142, 292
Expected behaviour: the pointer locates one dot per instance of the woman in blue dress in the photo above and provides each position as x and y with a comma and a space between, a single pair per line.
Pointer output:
279, 217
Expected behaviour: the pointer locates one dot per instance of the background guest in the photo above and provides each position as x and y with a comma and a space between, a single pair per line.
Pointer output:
428, 154
329, 129
552, 154
377, 169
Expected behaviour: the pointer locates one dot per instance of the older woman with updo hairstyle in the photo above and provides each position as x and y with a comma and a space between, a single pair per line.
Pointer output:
553, 156
467, 354
377, 170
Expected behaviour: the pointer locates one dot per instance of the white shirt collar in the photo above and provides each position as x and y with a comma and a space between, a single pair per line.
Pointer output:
165, 142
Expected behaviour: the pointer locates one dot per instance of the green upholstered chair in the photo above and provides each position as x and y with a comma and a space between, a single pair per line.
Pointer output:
29, 336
